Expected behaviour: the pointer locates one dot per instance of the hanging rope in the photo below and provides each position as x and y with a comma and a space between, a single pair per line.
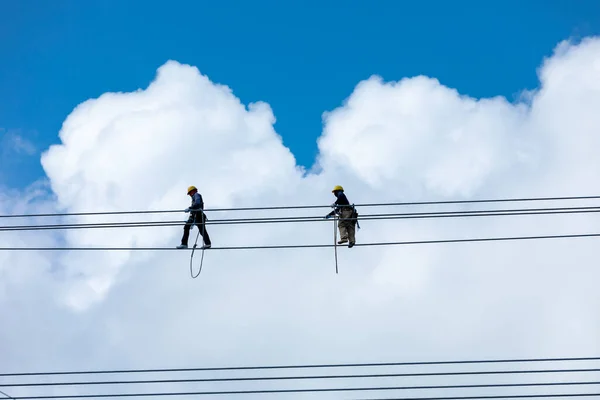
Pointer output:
194, 248
335, 241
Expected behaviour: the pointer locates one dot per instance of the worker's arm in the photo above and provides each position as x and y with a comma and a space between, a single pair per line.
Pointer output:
342, 200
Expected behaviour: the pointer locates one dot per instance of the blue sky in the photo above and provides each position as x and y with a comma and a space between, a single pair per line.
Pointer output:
303, 58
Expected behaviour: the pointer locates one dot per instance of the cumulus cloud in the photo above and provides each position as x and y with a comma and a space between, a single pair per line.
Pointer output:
407, 140
417, 135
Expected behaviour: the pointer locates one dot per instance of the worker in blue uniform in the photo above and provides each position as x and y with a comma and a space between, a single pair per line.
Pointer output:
197, 217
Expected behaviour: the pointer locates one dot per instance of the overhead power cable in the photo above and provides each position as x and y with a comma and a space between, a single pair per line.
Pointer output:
487, 397
306, 366
316, 390
516, 396
299, 377
295, 219
5, 395
416, 203
305, 246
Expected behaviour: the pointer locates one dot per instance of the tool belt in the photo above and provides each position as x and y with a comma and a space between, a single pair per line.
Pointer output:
353, 215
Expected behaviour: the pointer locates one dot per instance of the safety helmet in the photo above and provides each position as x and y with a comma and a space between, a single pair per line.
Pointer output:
191, 188
338, 187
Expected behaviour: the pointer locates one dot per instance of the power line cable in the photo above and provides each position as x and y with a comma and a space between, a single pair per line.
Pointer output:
313, 390
305, 366
293, 219
305, 246
309, 206
6, 395
516, 396
300, 377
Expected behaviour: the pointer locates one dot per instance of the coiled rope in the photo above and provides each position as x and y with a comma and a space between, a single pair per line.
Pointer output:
195, 245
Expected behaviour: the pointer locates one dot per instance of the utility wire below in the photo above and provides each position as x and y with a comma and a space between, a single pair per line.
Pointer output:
5, 395
304, 246
299, 377
309, 390
516, 396
308, 366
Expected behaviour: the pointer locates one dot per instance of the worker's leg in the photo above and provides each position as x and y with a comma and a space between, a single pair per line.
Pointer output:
202, 226
186, 230
344, 225
351, 232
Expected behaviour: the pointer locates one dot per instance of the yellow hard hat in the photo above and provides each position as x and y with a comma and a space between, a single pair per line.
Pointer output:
191, 188
338, 187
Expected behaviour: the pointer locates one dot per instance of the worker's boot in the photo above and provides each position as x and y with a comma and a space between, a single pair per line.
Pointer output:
351, 234
182, 246
342, 241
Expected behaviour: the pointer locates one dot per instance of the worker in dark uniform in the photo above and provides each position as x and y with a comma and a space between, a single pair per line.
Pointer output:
347, 216
197, 217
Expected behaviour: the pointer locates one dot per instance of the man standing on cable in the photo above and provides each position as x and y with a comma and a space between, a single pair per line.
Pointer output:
197, 217
347, 214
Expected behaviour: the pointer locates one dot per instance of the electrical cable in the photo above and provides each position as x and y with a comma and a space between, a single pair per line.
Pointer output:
6, 395
311, 366
305, 246
504, 200
516, 396
310, 390
300, 377
387, 216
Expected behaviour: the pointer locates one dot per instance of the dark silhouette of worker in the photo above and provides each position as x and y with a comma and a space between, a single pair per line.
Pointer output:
347, 216
197, 217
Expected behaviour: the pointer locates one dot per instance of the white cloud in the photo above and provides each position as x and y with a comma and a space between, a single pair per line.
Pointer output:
419, 136
408, 140
13, 147
13, 142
